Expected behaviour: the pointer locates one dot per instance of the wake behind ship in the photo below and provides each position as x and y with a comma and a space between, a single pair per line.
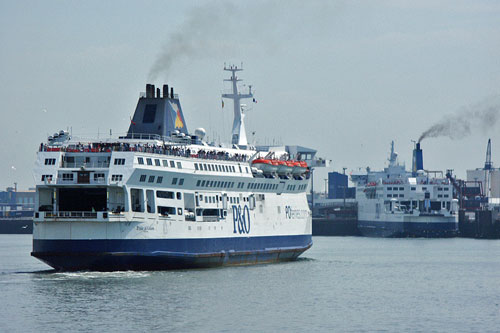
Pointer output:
161, 198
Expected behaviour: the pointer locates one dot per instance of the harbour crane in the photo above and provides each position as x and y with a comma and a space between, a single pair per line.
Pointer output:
488, 165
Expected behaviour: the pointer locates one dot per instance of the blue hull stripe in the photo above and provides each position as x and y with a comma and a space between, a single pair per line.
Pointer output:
167, 253
407, 229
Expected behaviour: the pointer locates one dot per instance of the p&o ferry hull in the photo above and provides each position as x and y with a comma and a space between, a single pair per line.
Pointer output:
161, 254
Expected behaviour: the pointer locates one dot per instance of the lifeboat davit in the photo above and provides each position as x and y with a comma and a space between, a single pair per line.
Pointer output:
299, 167
267, 166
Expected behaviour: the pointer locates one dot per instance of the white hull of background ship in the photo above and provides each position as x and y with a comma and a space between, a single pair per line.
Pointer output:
159, 198
397, 203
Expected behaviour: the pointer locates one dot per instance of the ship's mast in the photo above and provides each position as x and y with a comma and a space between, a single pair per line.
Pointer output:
393, 157
239, 135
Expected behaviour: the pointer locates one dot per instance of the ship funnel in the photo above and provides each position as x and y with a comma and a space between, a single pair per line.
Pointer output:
157, 115
172, 92
149, 93
418, 159
165, 91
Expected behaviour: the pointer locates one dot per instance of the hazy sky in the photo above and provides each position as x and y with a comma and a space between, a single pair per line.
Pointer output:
342, 77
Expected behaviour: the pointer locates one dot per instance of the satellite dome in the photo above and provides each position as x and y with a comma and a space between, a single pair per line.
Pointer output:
200, 132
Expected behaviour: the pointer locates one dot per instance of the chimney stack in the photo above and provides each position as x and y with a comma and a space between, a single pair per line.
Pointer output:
158, 93
172, 92
148, 91
418, 159
165, 91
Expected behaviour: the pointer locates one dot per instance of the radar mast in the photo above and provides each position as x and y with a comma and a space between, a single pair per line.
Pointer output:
239, 135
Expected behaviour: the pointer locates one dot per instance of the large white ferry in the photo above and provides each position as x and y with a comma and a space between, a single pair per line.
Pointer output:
160, 198
397, 203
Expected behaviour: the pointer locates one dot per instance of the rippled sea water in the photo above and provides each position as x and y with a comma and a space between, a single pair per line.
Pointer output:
341, 284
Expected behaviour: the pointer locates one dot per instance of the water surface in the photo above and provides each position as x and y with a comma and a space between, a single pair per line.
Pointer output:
340, 284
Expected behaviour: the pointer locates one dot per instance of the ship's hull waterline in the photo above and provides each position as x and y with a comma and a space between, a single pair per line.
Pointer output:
161, 254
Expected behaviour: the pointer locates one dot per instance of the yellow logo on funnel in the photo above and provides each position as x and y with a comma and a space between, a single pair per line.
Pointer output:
178, 119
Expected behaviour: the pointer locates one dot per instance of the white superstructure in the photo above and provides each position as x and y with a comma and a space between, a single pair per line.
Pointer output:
147, 201
395, 202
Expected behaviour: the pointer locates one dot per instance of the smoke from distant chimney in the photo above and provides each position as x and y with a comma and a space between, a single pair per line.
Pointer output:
479, 117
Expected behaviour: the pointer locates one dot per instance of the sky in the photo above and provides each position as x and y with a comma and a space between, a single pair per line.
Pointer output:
342, 77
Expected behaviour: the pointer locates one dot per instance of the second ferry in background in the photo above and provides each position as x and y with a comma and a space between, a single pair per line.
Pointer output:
398, 203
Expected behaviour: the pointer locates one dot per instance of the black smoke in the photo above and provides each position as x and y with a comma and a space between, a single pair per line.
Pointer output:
481, 117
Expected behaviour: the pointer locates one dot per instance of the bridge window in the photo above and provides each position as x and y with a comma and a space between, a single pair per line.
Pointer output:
172, 164
140, 160
148, 161
157, 162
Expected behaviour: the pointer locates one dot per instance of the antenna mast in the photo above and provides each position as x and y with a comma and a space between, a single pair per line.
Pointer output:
239, 136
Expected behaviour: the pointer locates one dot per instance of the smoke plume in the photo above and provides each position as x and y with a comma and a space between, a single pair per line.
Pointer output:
195, 37
222, 28
480, 117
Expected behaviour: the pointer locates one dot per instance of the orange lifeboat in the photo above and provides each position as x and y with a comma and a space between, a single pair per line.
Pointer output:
285, 167
266, 166
299, 167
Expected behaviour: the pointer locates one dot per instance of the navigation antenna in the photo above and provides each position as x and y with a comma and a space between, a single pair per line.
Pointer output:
239, 136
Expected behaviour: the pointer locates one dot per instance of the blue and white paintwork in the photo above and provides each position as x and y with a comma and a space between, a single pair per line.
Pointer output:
397, 203
221, 211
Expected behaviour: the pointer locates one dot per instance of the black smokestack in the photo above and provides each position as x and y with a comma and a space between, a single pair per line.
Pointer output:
149, 94
158, 93
418, 159
172, 92
165, 91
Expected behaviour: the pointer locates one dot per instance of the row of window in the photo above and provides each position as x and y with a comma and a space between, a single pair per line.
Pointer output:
166, 163
217, 167
414, 188
70, 176
402, 196
159, 180
261, 186
395, 188
217, 198
119, 161
214, 183
50, 161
